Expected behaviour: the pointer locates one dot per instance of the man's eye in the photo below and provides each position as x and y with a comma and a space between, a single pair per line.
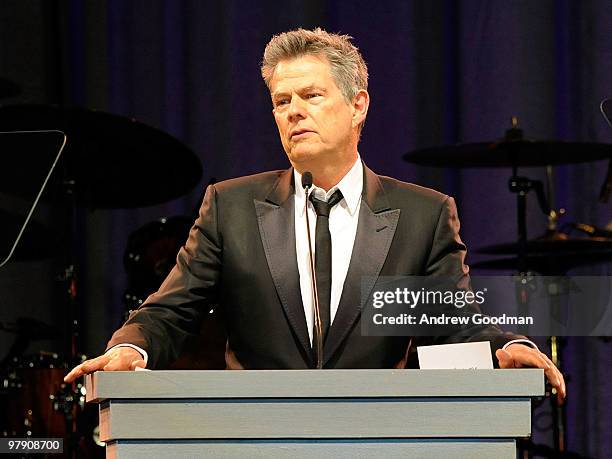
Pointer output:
281, 102
313, 94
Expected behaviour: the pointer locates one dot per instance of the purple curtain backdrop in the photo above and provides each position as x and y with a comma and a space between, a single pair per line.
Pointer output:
441, 72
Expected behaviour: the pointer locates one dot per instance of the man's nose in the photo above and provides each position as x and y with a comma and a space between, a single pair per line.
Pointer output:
296, 108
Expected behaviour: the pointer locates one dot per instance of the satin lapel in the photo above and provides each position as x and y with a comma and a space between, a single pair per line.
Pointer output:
276, 220
375, 231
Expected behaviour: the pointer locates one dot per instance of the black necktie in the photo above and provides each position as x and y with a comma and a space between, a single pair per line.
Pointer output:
323, 258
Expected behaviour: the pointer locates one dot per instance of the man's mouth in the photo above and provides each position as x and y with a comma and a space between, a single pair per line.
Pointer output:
300, 133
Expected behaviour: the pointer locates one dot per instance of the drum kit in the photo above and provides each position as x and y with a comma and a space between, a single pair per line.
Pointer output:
556, 252
108, 162
113, 162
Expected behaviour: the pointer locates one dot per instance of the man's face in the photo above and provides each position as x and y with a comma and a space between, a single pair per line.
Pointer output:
315, 122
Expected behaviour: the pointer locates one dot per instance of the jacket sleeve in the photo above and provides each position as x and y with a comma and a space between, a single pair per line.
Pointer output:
163, 322
447, 259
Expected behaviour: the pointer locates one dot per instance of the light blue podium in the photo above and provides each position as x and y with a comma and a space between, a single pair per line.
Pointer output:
313, 414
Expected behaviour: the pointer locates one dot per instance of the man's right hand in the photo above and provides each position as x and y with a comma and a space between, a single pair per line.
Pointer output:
121, 358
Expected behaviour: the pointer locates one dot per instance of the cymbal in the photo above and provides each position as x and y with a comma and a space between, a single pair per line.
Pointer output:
546, 264
509, 153
115, 162
9, 88
553, 254
555, 247
37, 242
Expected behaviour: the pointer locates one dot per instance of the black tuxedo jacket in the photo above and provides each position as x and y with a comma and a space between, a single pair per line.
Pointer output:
241, 258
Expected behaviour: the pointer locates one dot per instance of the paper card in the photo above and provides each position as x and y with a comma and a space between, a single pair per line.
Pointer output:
475, 356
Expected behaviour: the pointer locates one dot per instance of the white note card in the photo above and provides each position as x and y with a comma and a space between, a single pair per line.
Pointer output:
475, 356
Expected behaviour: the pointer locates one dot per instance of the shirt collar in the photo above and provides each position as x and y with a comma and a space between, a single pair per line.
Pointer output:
351, 187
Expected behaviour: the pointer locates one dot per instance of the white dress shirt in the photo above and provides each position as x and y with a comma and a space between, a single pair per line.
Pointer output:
343, 220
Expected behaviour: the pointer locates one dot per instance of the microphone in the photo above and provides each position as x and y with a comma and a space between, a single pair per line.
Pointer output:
318, 336
307, 180
606, 187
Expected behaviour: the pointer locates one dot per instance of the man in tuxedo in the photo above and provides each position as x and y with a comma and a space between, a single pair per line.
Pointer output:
247, 252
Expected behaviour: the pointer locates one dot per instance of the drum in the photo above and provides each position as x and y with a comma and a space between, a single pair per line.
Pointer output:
35, 402
149, 256
30, 385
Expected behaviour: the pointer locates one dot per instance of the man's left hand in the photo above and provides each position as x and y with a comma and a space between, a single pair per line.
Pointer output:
519, 355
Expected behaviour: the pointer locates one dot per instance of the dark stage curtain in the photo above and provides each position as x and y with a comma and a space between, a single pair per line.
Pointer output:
441, 72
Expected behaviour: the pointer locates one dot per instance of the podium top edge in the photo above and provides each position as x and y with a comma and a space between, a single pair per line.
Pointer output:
214, 384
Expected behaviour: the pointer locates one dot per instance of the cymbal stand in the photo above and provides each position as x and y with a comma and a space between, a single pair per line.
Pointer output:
69, 399
521, 186
556, 342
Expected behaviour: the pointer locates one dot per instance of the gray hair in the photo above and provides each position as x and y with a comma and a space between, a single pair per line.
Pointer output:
348, 68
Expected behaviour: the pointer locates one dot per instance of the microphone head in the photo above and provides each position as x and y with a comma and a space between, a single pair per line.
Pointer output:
306, 180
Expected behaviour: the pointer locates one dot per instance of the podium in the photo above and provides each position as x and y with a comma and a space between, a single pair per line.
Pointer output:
315, 413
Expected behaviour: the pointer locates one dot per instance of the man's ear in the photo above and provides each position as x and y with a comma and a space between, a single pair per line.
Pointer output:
361, 102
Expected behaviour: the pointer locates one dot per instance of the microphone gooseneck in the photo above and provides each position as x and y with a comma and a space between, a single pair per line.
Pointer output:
318, 335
